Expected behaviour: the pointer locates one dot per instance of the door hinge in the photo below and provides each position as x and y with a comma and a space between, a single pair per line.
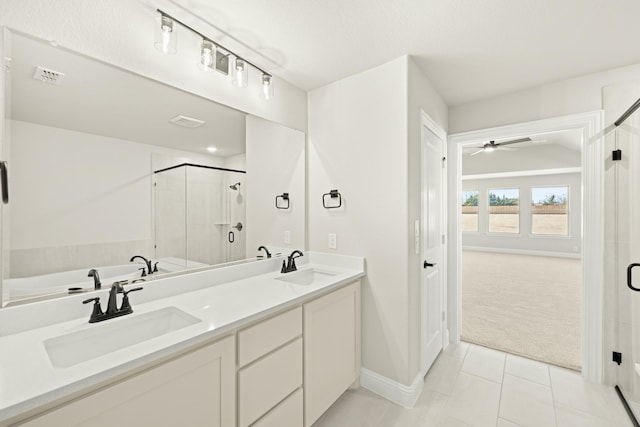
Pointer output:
617, 357
443, 316
443, 239
444, 160
616, 155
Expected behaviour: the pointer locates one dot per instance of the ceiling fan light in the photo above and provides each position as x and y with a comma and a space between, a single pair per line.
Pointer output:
489, 148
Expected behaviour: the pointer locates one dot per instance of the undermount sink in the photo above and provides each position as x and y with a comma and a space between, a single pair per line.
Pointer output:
71, 349
306, 277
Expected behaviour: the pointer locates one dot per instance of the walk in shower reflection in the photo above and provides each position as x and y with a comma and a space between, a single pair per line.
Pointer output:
200, 216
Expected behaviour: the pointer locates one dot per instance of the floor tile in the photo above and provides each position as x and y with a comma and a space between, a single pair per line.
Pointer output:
569, 417
355, 408
484, 362
528, 369
428, 411
570, 389
474, 400
443, 373
456, 350
526, 403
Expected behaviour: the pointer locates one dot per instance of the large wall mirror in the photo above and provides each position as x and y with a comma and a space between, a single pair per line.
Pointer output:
105, 164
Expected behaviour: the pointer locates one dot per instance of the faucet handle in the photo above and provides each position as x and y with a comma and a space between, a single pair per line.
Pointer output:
125, 300
97, 310
144, 271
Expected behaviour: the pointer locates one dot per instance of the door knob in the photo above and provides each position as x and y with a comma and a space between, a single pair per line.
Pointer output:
428, 264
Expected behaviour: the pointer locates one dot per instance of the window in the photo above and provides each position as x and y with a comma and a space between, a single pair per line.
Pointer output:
549, 211
470, 210
504, 211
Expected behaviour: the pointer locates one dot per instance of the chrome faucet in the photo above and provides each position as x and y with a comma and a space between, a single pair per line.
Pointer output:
147, 263
97, 315
96, 278
290, 264
266, 251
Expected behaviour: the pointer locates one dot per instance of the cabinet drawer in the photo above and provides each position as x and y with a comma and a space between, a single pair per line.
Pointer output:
267, 382
286, 414
260, 339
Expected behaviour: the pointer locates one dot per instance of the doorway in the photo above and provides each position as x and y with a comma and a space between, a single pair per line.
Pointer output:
521, 238
589, 125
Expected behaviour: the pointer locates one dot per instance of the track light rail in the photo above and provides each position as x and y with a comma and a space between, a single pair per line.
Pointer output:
218, 45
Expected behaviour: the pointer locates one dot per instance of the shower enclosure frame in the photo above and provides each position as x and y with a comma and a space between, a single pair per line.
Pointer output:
228, 222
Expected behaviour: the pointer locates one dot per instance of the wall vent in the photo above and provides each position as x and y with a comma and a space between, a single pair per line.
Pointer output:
48, 76
188, 122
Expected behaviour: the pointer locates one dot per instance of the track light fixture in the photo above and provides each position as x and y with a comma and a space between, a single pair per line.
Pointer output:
207, 55
166, 36
213, 56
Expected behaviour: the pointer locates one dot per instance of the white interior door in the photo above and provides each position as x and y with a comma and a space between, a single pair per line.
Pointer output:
432, 245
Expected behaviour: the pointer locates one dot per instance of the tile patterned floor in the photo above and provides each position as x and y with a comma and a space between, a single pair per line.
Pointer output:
470, 385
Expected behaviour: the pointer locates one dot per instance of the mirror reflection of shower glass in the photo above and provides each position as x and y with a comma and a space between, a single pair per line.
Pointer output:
200, 216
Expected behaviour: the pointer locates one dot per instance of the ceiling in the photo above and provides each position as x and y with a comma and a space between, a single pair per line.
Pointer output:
469, 49
97, 98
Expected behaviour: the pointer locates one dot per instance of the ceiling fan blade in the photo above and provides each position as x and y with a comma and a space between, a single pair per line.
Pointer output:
477, 152
514, 141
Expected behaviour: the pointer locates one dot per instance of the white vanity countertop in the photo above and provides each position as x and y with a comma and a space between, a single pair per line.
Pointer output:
28, 380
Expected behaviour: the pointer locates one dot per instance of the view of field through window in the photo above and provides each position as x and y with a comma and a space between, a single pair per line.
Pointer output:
470, 210
549, 210
504, 210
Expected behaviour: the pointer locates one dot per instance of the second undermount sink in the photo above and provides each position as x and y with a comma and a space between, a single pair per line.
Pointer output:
76, 347
306, 277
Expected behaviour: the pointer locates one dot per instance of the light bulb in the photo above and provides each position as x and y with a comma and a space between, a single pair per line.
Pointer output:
166, 36
240, 73
266, 91
488, 148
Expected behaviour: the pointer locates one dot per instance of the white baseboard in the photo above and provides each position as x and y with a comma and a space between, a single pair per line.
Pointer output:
391, 390
521, 252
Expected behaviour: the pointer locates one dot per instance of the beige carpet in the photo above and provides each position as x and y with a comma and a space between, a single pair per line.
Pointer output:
524, 305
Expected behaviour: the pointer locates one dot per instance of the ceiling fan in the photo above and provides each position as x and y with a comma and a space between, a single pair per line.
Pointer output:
492, 146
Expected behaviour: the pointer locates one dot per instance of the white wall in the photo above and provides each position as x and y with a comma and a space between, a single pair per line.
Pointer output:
576, 95
524, 241
121, 32
547, 156
275, 165
363, 138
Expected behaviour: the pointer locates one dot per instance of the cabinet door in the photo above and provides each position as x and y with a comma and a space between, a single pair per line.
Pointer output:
331, 349
197, 389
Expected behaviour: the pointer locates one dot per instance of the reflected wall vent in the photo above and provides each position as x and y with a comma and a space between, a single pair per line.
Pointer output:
48, 76
188, 122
